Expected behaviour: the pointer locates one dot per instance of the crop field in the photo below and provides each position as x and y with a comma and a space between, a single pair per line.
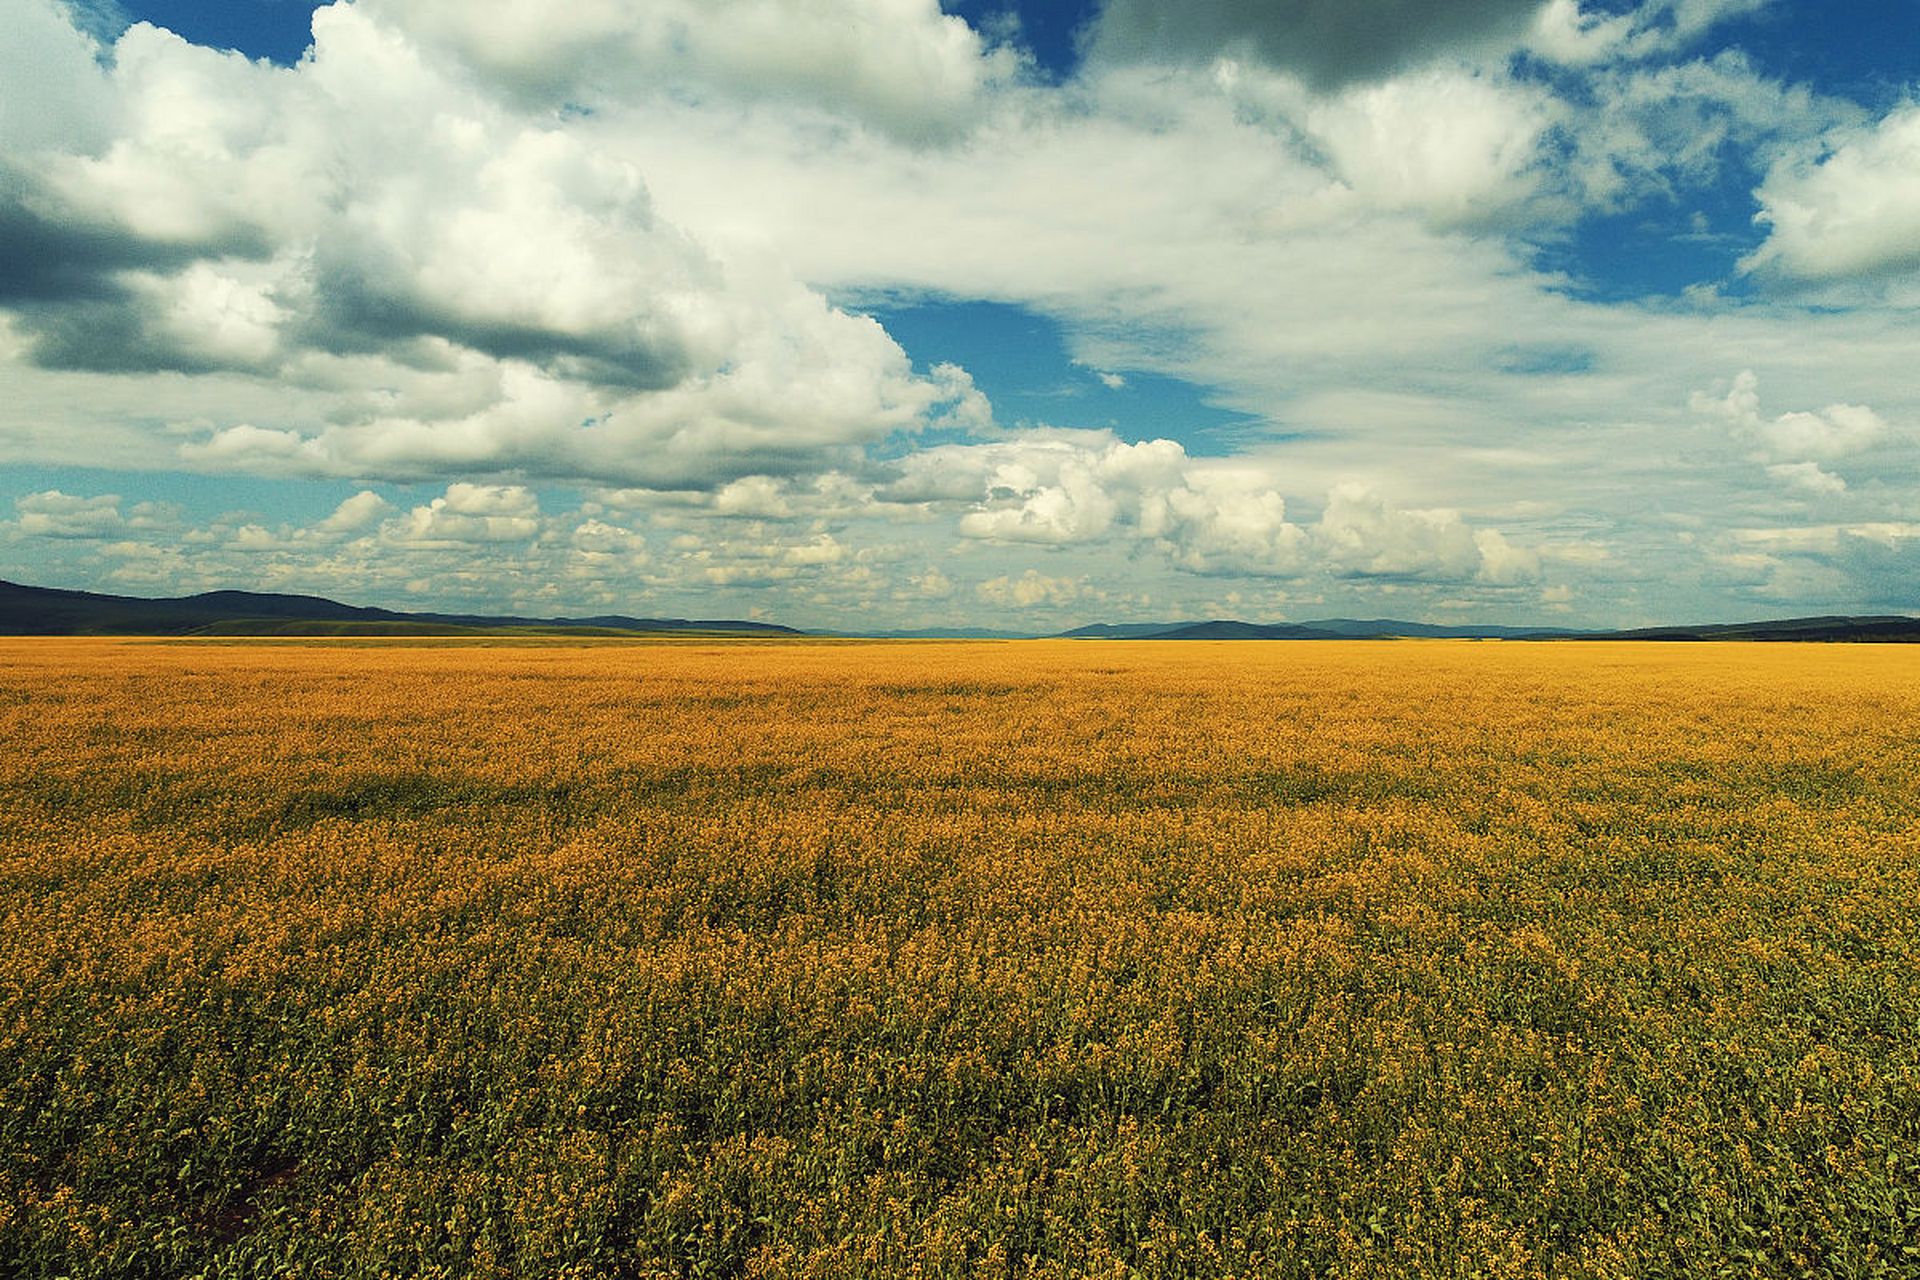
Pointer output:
345, 959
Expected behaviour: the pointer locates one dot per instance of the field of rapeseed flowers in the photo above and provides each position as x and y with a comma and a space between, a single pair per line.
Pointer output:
1047, 959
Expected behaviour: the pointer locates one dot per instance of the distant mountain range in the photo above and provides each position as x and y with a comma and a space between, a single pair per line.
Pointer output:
1323, 629
1877, 628
49, 611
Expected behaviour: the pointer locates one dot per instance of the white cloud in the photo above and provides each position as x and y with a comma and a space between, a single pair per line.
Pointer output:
499, 290
1808, 476
1501, 562
1205, 516
1227, 521
1029, 590
1666, 130
1567, 34
206, 154
603, 552
515, 247
470, 513
755, 496
1849, 211
767, 563
53, 514
252, 539
1838, 431
901, 66
355, 514
1693, 18
1456, 146
930, 584
1361, 535
54, 90
269, 450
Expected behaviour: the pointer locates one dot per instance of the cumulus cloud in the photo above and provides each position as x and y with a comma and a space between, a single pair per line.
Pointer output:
1327, 43
1029, 590
363, 510
470, 513
1809, 476
1792, 446
1205, 516
1838, 431
930, 584
901, 66
1849, 211
1451, 144
752, 496
620, 246
601, 551
53, 514
1361, 535
508, 284
1073, 488
765, 563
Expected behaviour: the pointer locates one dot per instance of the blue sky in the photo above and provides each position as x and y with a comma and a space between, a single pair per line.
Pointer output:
883, 313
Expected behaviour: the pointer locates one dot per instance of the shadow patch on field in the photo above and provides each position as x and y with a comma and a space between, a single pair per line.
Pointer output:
416, 796
961, 689
1812, 783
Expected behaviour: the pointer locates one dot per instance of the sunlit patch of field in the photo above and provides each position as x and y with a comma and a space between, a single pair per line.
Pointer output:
1395, 959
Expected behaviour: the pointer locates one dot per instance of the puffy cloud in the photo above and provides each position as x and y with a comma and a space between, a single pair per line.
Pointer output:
901, 66
1567, 34
753, 496
600, 249
1850, 211
600, 551
1838, 431
1809, 476
258, 449
1453, 145
1502, 563
1327, 43
930, 584
1361, 535
54, 92
53, 514
355, 514
470, 513
1029, 590
501, 288
1221, 523
767, 563
1205, 516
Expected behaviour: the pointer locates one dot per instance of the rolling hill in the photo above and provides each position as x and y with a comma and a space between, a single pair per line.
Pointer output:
1834, 629
26, 610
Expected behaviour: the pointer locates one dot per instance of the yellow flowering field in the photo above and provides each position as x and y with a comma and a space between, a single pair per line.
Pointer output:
345, 959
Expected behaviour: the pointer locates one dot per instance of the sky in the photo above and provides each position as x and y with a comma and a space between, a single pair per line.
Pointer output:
882, 314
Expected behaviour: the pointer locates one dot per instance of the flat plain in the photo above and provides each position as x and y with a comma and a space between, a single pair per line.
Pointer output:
1049, 958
